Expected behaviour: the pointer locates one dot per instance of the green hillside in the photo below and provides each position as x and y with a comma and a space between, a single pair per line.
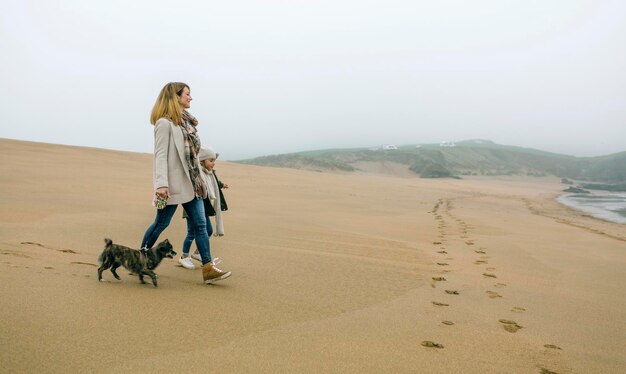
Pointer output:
472, 157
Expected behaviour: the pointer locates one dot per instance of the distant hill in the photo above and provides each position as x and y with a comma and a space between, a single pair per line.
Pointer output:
470, 157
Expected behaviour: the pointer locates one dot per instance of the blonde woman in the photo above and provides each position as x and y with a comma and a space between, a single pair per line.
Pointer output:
177, 172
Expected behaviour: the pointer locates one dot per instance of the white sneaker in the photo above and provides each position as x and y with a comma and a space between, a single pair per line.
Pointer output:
216, 260
186, 263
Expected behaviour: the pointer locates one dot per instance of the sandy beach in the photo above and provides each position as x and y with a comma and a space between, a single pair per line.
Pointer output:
331, 273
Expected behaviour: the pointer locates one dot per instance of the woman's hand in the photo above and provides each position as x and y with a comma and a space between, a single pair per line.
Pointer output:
163, 192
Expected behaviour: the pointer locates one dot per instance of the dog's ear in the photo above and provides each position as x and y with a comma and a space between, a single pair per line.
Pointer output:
166, 241
108, 242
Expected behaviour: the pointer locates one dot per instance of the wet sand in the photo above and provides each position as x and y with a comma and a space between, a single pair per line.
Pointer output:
331, 273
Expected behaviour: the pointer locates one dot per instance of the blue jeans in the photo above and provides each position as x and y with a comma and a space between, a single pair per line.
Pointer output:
197, 219
191, 236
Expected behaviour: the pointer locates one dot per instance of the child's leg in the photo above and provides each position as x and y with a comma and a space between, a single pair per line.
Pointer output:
188, 239
209, 227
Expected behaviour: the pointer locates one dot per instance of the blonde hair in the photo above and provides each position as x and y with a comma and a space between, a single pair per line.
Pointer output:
167, 105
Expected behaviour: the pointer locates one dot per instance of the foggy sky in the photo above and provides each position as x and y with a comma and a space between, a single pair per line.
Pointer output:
272, 77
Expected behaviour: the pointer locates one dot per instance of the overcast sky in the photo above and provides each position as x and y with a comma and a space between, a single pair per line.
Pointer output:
272, 76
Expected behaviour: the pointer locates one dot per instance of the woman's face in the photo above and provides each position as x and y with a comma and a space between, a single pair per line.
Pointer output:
185, 98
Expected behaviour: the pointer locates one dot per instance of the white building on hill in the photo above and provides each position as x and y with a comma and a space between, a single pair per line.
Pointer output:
389, 147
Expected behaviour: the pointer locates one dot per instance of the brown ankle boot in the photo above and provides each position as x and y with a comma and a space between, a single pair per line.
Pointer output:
212, 274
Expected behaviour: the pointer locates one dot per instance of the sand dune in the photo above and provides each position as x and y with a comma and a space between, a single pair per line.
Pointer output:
331, 273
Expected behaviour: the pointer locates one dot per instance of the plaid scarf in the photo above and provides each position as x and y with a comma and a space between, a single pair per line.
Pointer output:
189, 118
192, 147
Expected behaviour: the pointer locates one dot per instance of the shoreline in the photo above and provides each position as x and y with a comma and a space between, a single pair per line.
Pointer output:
598, 204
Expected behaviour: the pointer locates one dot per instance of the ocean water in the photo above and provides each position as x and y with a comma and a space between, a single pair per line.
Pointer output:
608, 206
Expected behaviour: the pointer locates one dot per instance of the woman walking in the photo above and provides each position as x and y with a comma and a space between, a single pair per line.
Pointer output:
177, 178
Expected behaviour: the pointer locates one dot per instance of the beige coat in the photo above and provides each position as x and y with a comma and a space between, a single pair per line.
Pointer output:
170, 166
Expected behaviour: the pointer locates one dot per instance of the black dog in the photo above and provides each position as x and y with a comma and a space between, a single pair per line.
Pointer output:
115, 255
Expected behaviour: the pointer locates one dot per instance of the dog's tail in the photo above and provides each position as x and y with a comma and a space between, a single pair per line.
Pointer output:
107, 244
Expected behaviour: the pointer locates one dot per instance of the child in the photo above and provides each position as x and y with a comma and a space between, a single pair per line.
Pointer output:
214, 204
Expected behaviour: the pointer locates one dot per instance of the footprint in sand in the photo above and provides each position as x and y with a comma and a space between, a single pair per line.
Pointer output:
480, 251
510, 326
437, 243
43, 246
546, 371
16, 254
500, 285
518, 309
83, 263
493, 294
439, 279
452, 292
469, 242
480, 262
489, 275
442, 264
48, 267
437, 303
552, 346
490, 269
449, 323
33, 243
428, 343
442, 252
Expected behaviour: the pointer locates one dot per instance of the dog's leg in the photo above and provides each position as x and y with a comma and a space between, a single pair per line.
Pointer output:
100, 270
153, 276
141, 278
105, 265
113, 268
